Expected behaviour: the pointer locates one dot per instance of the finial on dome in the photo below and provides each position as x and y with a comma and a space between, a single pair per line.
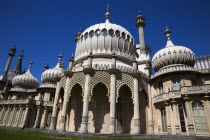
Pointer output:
46, 66
107, 15
59, 57
72, 57
30, 64
21, 55
169, 42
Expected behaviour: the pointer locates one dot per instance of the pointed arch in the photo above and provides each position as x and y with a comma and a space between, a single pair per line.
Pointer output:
75, 108
99, 109
124, 109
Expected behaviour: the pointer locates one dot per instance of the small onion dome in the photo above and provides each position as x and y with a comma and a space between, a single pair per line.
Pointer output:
50, 75
26, 80
172, 54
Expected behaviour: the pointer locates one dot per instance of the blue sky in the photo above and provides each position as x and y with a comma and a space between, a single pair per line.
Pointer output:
44, 28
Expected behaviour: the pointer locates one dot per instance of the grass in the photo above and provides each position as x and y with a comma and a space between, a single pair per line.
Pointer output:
11, 134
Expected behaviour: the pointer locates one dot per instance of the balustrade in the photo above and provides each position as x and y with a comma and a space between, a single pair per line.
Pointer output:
185, 90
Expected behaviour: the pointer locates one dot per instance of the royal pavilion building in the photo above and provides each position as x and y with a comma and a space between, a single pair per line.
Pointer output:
109, 87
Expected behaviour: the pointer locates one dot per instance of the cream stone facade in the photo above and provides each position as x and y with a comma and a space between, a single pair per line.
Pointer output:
109, 88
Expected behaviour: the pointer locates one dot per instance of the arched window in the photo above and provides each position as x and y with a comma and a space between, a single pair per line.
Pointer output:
52, 96
176, 84
160, 86
193, 81
163, 120
199, 117
181, 117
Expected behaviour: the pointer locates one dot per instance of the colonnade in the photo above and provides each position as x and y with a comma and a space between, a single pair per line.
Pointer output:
86, 99
173, 115
14, 115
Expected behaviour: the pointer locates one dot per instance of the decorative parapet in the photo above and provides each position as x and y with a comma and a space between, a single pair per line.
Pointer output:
48, 85
185, 90
22, 101
20, 89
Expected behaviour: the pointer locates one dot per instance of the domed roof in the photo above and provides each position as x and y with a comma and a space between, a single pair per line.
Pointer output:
105, 39
26, 80
50, 75
172, 54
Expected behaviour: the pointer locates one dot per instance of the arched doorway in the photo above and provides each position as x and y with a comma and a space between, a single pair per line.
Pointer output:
142, 111
124, 109
99, 106
75, 108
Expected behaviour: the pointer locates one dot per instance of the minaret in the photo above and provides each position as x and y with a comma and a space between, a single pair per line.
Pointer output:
107, 15
17, 68
11, 55
140, 25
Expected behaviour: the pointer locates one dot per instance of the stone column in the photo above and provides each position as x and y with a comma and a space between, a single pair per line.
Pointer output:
65, 104
168, 118
17, 116
136, 107
55, 107
112, 120
37, 117
25, 118
136, 98
12, 116
150, 117
112, 125
88, 71
176, 120
84, 124
43, 121
207, 108
189, 117
6, 115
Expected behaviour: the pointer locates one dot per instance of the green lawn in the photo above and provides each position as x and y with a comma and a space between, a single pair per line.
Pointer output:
11, 134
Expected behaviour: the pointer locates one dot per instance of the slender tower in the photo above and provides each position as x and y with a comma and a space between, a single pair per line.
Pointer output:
140, 25
11, 55
17, 68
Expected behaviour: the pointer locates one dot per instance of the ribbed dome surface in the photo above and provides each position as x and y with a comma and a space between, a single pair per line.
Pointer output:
26, 80
105, 38
173, 55
50, 75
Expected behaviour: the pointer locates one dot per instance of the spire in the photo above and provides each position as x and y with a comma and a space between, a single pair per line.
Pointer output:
169, 42
107, 15
18, 66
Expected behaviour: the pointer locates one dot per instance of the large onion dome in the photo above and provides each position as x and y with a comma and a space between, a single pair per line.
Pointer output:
50, 75
104, 39
172, 54
26, 80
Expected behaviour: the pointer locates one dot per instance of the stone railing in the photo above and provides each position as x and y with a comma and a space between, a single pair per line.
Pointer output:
21, 101
185, 90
